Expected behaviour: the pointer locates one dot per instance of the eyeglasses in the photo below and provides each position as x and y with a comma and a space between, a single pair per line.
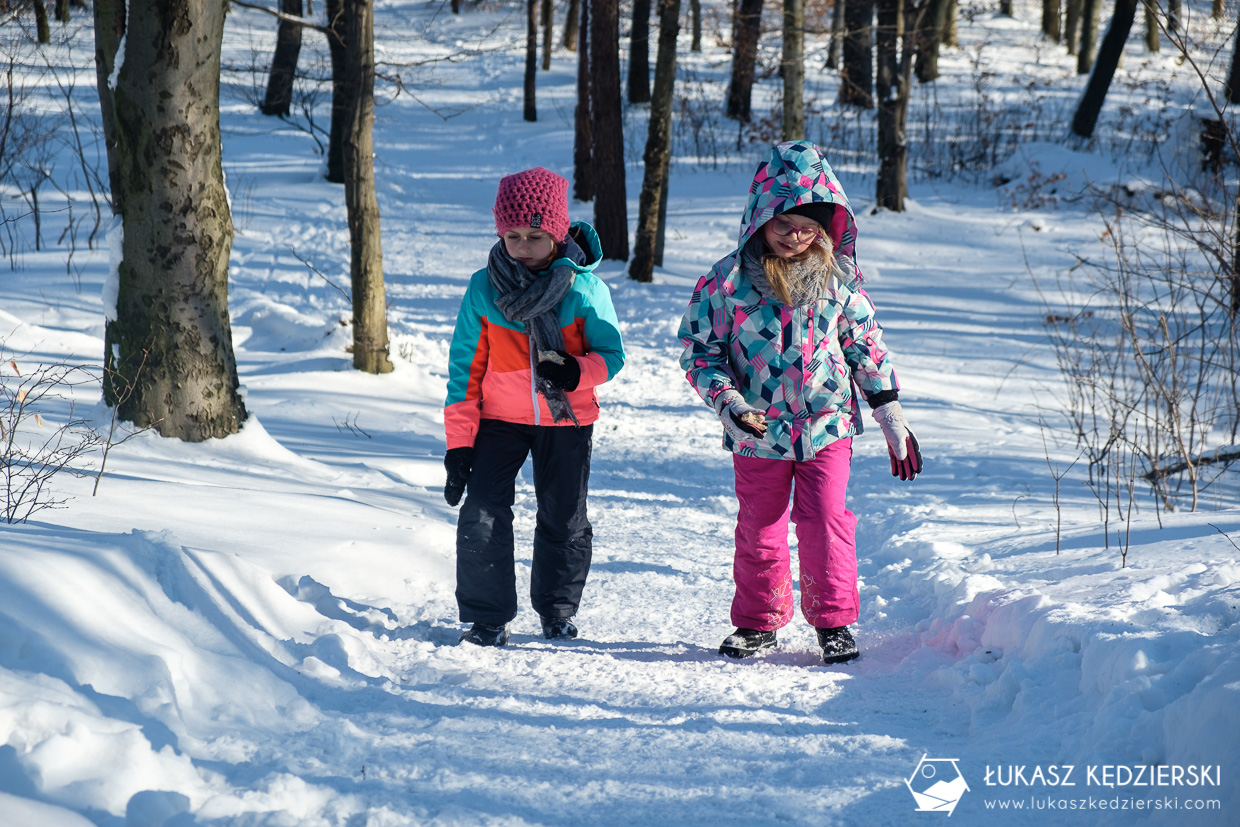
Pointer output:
786, 229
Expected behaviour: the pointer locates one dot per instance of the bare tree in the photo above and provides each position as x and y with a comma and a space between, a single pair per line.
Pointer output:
531, 59
1152, 40
1072, 25
650, 216
639, 53
857, 71
548, 29
695, 15
607, 155
571, 19
109, 30
930, 38
1050, 20
1109, 53
837, 35
745, 34
1232, 90
1090, 10
583, 134
793, 66
370, 336
171, 323
284, 62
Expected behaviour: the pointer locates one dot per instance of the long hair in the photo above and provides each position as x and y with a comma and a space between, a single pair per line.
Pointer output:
781, 271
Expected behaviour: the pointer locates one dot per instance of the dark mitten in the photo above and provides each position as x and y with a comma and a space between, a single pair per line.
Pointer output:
458, 462
560, 369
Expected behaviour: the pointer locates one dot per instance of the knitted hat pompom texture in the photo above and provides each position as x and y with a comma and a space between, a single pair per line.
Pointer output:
534, 199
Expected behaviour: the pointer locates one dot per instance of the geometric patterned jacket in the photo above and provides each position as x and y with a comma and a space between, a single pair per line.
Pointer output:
802, 366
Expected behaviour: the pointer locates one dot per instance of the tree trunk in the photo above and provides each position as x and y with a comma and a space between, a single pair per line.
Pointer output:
1109, 53
1089, 35
639, 53
1152, 39
109, 31
370, 337
1232, 90
1216, 9
658, 146
1072, 25
548, 19
42, 28
342, 94
62, 11
610, 200
1050, 20
745, 36
837, 35
951, 30
857, 73
583, 135
531, 58
284, 63
793, 68
695, 13
892, 86
929, 35
1174, 11
1005, 8
170, 341
570, 25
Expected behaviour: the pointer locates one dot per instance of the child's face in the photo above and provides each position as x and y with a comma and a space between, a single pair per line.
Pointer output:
789, 235
533, 248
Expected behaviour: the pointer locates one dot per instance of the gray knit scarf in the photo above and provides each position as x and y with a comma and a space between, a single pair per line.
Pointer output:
531, 298
809, 276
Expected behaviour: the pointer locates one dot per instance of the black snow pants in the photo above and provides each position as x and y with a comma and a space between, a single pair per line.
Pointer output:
486, 587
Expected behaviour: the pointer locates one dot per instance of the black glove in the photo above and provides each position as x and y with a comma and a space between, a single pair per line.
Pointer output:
564, 374
458, 461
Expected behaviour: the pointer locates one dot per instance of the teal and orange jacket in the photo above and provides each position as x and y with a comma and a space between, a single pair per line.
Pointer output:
490, 368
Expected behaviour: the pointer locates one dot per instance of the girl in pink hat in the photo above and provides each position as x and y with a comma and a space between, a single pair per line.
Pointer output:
535, 335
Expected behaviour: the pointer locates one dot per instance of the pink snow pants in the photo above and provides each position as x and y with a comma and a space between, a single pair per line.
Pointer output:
826, 540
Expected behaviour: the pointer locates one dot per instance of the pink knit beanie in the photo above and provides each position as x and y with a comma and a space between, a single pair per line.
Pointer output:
536, 198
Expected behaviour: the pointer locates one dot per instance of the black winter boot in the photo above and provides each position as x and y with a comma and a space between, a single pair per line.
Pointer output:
558, 628
483, 634
745, 642
837, 645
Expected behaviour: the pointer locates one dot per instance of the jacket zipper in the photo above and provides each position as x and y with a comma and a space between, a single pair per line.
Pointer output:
533, 381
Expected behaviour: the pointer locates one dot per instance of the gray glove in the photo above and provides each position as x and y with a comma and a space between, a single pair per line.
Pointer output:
742, 421
901, 444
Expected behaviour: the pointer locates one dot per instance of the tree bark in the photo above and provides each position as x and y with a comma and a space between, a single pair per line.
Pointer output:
370, 337
1089, 35
857, 73
695, 14
658, 147
548, 20
1174, 11
951, 30
570, 25
892, 87
1152, 39
1050, 20
342, 94
1109, 53
837, 35
793, 66
43, 31
171, 342
610, 207
1232, 90
1216, 9
530, 112
583, 135
284, 62
745, 36
62, 11
639, 53
1072, 25
929, 36
109, 30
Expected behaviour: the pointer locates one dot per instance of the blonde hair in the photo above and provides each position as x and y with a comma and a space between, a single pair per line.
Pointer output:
779, 271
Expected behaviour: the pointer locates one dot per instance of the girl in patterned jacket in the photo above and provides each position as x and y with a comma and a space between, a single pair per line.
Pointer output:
535, 335
780, 339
